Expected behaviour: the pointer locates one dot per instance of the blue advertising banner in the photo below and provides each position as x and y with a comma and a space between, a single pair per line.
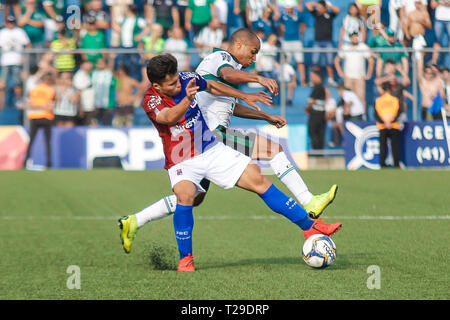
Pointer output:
424, 144
139, 148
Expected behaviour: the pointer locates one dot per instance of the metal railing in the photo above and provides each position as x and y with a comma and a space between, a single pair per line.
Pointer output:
114, 51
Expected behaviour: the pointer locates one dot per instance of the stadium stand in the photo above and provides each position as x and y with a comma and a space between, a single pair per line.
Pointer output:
115, 21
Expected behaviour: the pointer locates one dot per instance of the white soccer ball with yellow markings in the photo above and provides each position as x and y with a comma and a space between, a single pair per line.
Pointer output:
319, 251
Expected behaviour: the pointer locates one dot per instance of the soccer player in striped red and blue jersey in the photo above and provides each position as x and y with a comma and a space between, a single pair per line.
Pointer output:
176, 116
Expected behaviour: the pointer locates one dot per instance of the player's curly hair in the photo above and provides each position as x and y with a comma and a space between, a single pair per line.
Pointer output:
160, 66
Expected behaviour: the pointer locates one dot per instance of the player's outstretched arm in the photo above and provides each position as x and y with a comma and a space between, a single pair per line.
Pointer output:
237, 77
242, 111
220, 89
172, 115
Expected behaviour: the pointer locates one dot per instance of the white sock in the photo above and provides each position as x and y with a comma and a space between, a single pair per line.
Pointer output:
158, 210
286, 172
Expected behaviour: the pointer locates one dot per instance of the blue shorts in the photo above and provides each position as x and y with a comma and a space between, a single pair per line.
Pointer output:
329, 56
441, 27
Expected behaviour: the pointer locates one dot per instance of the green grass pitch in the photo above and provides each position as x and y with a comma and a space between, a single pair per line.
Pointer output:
397, 220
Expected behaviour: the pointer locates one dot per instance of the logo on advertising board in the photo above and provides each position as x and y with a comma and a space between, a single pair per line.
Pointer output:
362, 146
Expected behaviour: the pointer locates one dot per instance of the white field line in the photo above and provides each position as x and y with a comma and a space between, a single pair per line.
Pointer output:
224, 217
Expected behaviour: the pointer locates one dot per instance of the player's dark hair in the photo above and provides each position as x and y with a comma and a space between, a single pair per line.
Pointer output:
160, 66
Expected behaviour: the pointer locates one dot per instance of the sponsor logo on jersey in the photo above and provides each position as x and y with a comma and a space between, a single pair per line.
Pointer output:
176, 130
225, 56
153, 102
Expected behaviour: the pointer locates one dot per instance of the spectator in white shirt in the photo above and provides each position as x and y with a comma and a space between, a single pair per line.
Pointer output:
66, 101
12, 42
395, 17
255, 10
177, 45
353, 107
83, 83
266, 58
352, 22
209, 37
131, 27
354, 74
117, 10
287, 75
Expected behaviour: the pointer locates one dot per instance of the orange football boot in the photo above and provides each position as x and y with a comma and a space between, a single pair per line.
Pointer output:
320, 227
186, 264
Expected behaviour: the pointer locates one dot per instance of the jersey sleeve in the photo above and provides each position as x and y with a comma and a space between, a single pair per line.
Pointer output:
201, 82
222, 60
153, 105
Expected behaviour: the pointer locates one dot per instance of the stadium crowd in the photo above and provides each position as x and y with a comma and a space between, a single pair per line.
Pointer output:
98, 88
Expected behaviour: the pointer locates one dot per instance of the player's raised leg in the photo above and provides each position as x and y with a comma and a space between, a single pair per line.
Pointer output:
252, 180
130, 224
266, 149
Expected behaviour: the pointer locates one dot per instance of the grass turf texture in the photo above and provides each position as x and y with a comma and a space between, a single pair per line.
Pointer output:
51, 220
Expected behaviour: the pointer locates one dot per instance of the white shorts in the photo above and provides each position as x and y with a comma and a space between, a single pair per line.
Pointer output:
220, 164
293, 46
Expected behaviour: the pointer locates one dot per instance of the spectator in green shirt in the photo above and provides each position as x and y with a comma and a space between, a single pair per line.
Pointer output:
399, 56
93, 39
198, 14
378, 39
32, 22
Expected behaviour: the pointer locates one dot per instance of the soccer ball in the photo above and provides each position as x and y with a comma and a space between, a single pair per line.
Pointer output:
319, 251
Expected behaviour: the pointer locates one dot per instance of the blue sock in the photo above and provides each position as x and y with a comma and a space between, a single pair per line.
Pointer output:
183, 223
282, 204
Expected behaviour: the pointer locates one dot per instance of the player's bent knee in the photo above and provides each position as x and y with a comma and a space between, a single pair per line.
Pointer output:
185, 192
253, 180
185, 199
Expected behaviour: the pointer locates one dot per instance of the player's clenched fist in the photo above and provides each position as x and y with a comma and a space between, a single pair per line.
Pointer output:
277, 121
